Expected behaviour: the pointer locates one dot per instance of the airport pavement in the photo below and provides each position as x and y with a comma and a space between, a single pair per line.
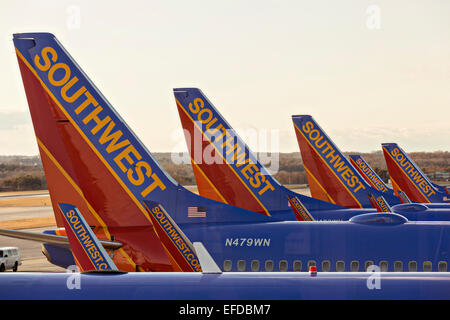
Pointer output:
22, 195
17, 213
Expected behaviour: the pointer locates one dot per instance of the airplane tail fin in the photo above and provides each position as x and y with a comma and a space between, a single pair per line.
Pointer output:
221, 153
369, 174
380, 203
178, 247
407, 176
329, 169
87, 251
225, 168
299, 209
91, 158
403, 197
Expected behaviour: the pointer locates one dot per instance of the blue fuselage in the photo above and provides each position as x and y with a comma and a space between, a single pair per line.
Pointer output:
225, 286
331, 246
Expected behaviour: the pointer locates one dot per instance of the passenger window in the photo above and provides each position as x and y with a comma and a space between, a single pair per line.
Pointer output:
354, 266
297, 265
227, 265
442, 266
398, 266
427, 266
241, 265
412, 266
326, 265
340, 266
368, 264
255, 265
283, 266
269, 266
384, 266
1, 254
311, 263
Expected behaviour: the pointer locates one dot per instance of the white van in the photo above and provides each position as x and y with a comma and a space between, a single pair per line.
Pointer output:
9, 258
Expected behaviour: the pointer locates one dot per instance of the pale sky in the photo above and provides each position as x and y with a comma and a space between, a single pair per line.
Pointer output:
368, 71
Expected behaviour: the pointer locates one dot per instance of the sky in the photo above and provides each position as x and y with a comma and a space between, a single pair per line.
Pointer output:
368, 71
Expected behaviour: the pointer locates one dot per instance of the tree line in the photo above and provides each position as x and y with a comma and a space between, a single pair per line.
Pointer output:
19, 173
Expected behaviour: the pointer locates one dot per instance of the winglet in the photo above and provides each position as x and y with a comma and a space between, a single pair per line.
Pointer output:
178, 247
87, 250
206, 261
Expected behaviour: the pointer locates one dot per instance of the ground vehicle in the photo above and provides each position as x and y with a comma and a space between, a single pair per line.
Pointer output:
9, 258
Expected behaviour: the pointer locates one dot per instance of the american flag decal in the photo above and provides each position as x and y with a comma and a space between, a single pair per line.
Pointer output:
196, 212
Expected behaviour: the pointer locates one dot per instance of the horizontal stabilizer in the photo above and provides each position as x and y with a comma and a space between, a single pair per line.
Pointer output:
51, 239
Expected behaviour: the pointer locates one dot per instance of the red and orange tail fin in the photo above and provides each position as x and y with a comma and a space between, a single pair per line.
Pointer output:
178, 247
326, 165
91, 159
368, 173
329, 171
224, 167
403, 197
379, 203
407, 176
301, 213
87, 251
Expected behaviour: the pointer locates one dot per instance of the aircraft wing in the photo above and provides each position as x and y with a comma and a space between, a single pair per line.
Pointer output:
50, 238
